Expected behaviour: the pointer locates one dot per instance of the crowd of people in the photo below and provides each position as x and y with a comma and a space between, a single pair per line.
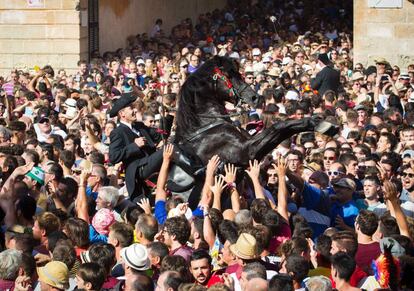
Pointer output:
84, 160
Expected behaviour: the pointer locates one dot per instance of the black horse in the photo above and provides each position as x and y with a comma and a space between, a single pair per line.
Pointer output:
204, 128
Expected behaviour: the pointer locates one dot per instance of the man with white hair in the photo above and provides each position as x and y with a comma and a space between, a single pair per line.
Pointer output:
10, 268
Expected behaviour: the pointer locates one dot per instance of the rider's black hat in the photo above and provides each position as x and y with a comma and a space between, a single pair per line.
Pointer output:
125, 100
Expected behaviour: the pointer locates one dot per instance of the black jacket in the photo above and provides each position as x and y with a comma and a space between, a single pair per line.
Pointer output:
326, 79
123, 149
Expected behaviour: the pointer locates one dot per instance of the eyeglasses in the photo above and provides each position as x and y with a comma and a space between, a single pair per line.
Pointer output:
334, 173
405, 174
329, 158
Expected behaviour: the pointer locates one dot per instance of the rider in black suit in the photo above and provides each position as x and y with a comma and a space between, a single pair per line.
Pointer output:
132, 144
327, 78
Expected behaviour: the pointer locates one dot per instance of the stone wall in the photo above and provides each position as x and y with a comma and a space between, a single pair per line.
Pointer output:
53, 34
122, 18
38, 36
383, 32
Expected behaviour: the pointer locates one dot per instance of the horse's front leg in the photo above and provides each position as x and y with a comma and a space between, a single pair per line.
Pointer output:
263, 143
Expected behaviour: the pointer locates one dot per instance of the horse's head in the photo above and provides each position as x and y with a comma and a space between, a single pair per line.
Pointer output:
228, 81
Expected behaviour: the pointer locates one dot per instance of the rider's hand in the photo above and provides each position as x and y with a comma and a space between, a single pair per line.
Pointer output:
140, 141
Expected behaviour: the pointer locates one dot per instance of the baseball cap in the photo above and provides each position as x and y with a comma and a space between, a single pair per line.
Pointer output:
345, 183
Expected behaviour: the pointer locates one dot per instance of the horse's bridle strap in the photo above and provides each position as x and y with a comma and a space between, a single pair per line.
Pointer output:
204, 129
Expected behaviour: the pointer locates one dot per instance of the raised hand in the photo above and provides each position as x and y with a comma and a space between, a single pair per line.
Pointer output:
390, 191
145, 205
254, 169
281, 166
231, 171
168, 152
85, 174
219, 185
212, 165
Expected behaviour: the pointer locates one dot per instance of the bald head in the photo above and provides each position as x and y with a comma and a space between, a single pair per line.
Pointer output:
257, 284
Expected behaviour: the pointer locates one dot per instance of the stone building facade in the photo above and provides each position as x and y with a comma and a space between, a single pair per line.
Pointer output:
385, 32
57, 32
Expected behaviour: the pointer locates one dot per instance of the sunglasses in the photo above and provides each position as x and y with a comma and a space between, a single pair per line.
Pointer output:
329, 158
405, 174
44, 120
334, 173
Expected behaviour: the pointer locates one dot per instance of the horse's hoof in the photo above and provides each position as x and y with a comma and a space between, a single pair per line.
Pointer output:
327, 128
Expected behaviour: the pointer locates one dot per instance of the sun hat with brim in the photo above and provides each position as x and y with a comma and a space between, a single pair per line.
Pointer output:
357, 76
381, 61
312, 167
55, 274
37, 174
273, 72
245, 247
136, 257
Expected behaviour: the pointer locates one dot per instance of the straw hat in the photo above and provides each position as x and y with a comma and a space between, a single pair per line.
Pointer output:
245, 247
274, 72
55, 274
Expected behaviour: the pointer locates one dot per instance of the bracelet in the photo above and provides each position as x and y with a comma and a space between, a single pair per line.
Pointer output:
231, 185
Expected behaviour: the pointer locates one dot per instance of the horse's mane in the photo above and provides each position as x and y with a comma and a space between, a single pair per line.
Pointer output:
199, 86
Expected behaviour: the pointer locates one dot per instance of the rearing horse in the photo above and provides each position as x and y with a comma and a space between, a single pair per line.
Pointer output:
205, 128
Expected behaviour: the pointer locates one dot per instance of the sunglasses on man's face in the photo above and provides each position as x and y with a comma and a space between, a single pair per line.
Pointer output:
44, 120
405, 174
334, 173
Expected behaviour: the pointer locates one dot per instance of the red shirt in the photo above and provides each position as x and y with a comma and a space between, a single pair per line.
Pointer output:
366, 254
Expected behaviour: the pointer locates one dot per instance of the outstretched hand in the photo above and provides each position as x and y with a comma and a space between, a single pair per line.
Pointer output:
219, 185
281, 166
144, 203
390, 191
212, 165
168, 152
254, 169
231, 172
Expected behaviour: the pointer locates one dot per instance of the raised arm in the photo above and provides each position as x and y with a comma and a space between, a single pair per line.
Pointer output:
390, 194
160, 193
82, 200
206, 196
217, 189
5, 192
209, 234
282, 192
254, 174
230, 179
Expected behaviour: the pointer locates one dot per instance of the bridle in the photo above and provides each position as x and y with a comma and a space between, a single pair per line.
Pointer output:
232, 91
